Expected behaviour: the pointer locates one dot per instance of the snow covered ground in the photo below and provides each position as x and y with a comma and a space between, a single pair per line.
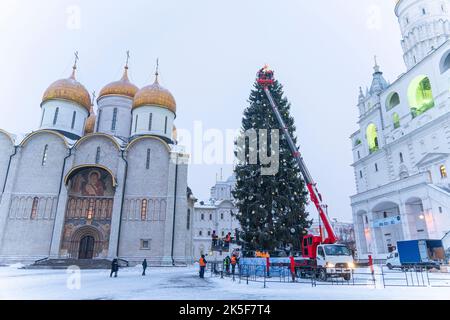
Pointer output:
181, 283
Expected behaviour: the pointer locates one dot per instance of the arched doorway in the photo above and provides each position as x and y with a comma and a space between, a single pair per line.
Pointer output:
86, 249
417, 218
387, 224
88, 212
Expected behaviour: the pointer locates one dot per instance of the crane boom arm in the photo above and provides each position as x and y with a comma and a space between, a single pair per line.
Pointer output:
311, 185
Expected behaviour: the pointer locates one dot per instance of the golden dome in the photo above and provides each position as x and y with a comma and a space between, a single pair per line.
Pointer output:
123, 87
174, 133
68, 89
89, 126
155, 95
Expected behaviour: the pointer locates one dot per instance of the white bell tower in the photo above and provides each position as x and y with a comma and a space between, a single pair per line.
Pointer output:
425, 25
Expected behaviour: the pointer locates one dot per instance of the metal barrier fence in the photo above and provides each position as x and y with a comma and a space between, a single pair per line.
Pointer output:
412, 277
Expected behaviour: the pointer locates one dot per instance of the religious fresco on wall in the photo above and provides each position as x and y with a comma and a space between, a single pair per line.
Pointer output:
88, 212
92, 182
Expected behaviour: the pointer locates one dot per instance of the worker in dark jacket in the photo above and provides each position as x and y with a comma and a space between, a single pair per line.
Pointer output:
227, 262
114, 268
144, 266
202, 263
214, 237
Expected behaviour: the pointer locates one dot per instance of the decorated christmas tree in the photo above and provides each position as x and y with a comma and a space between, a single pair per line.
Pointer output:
271, 206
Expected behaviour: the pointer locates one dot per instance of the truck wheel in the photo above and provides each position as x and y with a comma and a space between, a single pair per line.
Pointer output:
323, 275
347, 276
389, 266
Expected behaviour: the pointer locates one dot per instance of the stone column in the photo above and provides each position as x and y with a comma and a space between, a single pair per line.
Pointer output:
60, 215
432, 228
166, 259
5, 202
374, 250
181, 236
404, 221
117, 207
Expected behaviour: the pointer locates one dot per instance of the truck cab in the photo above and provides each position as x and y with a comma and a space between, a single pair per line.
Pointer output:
393, 260
334, 260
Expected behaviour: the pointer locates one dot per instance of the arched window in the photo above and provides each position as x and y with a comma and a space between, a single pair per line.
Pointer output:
445, 63
114, 120
44, 155
396, 120
393, 100
420, 96
188, 219
136, 123
34, 208
42, 119
97, 155
443, 171
74, 117
55, 117
144, 209
165, 126
372, 138
150, 120
147, 163
99, 118
401, 157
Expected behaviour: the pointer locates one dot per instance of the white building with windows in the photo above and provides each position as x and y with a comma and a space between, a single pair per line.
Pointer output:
86, 187
401, 152
219, 215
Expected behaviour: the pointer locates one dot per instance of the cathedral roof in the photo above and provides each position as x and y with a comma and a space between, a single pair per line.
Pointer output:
378, 81
68, 89
122, 87
155, 95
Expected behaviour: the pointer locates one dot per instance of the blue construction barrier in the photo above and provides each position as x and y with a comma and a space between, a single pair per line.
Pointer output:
279, 267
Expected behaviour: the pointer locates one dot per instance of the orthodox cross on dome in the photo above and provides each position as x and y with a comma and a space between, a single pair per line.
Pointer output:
75, 65
128, 59
157, 69
92, 102
376, 67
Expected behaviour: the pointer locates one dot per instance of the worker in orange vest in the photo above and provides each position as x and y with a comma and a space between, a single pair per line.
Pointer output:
202, 263
233, 264
227, 240
292, 267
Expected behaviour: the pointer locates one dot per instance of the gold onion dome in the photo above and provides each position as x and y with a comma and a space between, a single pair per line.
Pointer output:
123, 87
89, 126
155, 95
68, 89
174, 133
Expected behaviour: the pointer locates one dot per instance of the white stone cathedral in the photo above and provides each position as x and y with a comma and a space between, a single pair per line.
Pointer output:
97, 187
401, 152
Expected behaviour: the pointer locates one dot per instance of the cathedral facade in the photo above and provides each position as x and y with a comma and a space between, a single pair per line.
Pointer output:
87, 186
402, 149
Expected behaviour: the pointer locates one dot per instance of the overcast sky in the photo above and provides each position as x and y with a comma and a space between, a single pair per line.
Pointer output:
209, 52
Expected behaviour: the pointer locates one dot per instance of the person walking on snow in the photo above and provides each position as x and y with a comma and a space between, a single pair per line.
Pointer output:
144, 266
114, 268
202, 263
